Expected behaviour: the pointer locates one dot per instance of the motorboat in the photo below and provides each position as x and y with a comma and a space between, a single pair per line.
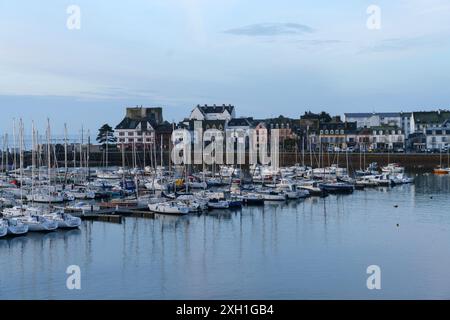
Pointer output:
218, 204
393, 168
337, 187
251, 199
82, 207
313, 188
271, 195
291, 190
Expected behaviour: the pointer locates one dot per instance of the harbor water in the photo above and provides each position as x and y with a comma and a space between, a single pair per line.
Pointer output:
318, 248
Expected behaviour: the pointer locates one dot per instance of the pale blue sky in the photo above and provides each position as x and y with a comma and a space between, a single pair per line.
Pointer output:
265, 57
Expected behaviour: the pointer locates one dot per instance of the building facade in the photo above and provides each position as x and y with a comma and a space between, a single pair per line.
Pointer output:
202, 113
139, 127
438, 138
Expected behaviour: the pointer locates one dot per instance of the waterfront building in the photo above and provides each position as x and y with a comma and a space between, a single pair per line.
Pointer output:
336, 134
363, 139
239, 124
202, 113
422, 120
139, 127
387, 138
438, 138
417, 142
376, 119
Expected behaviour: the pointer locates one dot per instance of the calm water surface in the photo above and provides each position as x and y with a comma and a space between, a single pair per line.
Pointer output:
315, 249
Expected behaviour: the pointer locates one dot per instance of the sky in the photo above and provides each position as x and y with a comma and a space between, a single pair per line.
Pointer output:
265, 57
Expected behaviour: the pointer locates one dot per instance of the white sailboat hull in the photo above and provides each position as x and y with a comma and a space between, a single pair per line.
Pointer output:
3, 230
163, 208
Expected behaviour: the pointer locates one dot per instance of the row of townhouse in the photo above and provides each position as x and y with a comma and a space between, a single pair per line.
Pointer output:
359, 131
423, 130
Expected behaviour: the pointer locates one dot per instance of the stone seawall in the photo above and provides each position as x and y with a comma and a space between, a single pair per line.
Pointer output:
412, 161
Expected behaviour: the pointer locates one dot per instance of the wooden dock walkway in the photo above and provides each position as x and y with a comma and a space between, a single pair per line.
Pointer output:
114, 215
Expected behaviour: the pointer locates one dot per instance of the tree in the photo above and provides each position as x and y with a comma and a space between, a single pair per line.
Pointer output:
106, 135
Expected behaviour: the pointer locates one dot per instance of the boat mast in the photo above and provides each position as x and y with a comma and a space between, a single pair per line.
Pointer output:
81, 151
65, 154
33, 159
7, 154
49, 159
14, 145
21, 143
88, 156
107, 149
162, 157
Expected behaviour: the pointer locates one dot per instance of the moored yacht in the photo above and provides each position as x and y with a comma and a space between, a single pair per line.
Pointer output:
337, 187
15, 227
3, 228
64, 220
171, 207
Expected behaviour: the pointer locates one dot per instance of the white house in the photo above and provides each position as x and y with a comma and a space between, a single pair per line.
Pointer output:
138, 127
213, 112
387, 138
376, 119
422, 120
438, 137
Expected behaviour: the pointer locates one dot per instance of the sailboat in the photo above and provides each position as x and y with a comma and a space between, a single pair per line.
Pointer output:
15, 227
172, 208
64, 220
31, 217
441, 170
3, 228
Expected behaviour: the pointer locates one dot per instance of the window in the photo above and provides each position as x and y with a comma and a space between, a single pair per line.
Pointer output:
342, 131
326, 131
321, 131
121, 134
122, 140
139, 140
331, 132
130, 134
139, 133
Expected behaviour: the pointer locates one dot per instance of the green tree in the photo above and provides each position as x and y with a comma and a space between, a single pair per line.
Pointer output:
106, 135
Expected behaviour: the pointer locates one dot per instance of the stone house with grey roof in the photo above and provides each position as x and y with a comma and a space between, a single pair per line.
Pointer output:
143, 127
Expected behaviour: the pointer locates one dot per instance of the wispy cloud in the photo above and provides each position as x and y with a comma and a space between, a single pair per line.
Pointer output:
319, 42
271, 29
402, 44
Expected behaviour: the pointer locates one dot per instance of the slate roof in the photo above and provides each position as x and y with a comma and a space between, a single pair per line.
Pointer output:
132, 124
216, 109
431, 117
381, 114
241, 122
